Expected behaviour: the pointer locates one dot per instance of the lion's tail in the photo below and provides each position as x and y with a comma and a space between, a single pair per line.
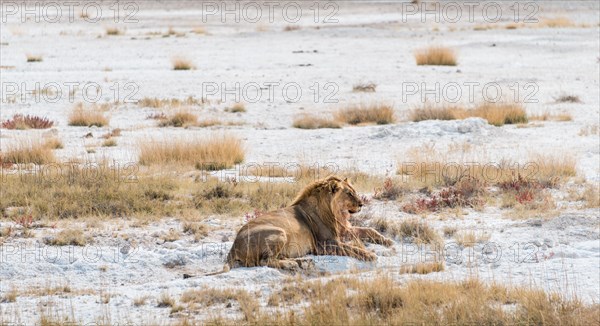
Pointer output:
226, 268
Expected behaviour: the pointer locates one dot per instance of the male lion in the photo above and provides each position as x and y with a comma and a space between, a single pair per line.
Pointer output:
313, 224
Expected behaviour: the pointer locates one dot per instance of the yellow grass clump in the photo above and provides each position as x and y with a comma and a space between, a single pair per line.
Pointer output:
28, 151
556, 22
182, 64
307, 121
87, 117
181, 118
380, 114
436, 56
497, 114
213, 153
34, 58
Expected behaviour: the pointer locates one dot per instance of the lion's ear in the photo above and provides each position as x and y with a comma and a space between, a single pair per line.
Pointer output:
334, 186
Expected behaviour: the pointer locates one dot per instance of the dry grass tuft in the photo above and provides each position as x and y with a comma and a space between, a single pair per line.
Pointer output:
182, 64
236, 108
497, 114
10, 296
181, 118
423, 268
165, 301
198, 230
87, 117
380, 114
113, 31
291, 28
306, 121
546, 116
383, 301
34, 58
110, 142
418, 232
589, 130
216, 153
568, 99
436, 56
69, 237
53, 143
557, 22
28, 151
156, 103
470, 238
21, 122
365, 87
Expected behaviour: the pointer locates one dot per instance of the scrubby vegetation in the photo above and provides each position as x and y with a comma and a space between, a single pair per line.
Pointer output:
21, 122
497, 114
436, 56
380, 114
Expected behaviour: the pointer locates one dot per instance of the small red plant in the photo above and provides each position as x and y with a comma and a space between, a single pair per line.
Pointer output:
25, 221
20, 121
253, 215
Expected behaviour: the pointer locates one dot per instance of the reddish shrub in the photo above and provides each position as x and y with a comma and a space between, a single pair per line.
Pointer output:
465, 193
20, 121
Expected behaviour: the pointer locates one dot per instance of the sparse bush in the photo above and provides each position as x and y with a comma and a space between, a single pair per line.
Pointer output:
109, 143
28, 151
73, 237
418, 232
423, 268
380, 114
179, 119
113, 31
568, 99
236, 108
557, 22
221, 152
436, 56
87, 117
364, 87
182, 64
165, 301
389, 191
470, 238
546, 116
467, 192
34, 58
21, 122
306, 121
53, 143
497, 114
290, 28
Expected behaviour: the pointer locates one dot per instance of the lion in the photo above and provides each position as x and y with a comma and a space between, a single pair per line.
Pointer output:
314, 223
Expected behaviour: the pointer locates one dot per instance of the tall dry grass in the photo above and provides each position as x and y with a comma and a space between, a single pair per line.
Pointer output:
25, 151
383, 301
380, 114
436, 56
307, 121
497, 114
82, 116
218, 152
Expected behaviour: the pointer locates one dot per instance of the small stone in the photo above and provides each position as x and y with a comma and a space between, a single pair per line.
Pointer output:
537, 243
549, 242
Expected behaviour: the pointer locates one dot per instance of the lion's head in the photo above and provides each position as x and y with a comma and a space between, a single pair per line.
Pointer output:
334, 200
345, 199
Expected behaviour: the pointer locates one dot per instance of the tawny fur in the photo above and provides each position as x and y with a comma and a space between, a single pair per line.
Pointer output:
315, 223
